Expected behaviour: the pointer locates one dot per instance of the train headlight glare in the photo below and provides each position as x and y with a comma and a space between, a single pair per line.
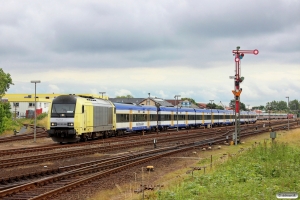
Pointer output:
71, 124
53, 124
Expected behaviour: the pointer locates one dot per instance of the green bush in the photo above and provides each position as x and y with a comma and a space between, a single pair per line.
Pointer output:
42, 116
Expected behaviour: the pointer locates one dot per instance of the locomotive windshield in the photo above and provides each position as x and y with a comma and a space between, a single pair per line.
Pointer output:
63, 110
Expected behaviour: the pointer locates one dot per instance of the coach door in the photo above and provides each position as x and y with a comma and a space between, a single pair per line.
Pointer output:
84, 118
148, 118
130, 119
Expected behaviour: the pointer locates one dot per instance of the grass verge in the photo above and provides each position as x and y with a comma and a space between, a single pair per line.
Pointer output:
260, 172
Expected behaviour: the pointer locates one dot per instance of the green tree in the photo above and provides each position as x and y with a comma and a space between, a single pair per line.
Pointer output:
261, 107
219, 107
5, 82
281, 105
232, 105
211, 106
276, 106
214, 106
294, 105
127, 96
5, 116
190, 100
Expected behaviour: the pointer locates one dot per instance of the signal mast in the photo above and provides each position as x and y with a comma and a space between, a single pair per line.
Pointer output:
238, 55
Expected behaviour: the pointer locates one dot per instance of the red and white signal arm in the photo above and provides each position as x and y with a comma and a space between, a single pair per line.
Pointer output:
255, 51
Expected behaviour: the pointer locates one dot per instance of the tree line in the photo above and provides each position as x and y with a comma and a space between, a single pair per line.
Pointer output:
274, 106
5, 114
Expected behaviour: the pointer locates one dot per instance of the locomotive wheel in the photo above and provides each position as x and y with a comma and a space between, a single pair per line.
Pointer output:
105, 135
83, 138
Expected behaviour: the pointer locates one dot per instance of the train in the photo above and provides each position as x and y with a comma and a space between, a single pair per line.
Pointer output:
74, 118
271, 116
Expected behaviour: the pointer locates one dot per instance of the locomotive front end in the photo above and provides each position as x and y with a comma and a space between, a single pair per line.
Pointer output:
61, 124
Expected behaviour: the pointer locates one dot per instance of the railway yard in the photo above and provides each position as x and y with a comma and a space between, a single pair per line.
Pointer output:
47, 170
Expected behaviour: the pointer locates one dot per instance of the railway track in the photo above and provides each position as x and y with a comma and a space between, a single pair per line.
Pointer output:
40, 132
70, 177
74, 176
80, 152
167, 138
114, 139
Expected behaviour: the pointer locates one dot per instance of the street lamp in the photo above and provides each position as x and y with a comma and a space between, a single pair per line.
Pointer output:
35, 82
176, 96
248, 114
211, 112
288, 113
148, 101
102, 93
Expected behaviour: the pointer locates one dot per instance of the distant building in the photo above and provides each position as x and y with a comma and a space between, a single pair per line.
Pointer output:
155, 102
182, 103
202, 105
127, 100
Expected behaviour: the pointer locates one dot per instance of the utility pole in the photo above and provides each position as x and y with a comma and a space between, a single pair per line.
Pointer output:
176, 96
288, 113
211, 122
102, 93
238, 54
35, 82
248, 114
143, 187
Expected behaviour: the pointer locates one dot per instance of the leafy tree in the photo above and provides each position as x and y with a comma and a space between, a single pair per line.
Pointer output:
211, 106
219, 107
127, 96
232, 105
281, 105
5, 82
214, 106
5, 116
261, 107
271, 105
190, 100
294, 105
276, 106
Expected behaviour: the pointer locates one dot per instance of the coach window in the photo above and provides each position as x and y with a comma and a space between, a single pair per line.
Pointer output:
191, 117
208, 116
134, 118
153, 117
182, 117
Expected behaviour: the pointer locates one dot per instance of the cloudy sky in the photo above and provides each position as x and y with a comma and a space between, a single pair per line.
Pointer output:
164, 48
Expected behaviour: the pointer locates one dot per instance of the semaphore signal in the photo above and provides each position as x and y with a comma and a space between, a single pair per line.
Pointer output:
239, 54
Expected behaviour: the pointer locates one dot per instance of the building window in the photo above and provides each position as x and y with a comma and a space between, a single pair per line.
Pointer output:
31, 104
16, 104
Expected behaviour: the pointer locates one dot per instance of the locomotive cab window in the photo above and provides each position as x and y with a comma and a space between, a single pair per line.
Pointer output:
63, 110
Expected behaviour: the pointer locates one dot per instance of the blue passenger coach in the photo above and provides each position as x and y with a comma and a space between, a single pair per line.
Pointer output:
131, 117
169, 118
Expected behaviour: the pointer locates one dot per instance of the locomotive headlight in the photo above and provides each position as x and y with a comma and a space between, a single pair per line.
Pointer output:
70, 124
53, 124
